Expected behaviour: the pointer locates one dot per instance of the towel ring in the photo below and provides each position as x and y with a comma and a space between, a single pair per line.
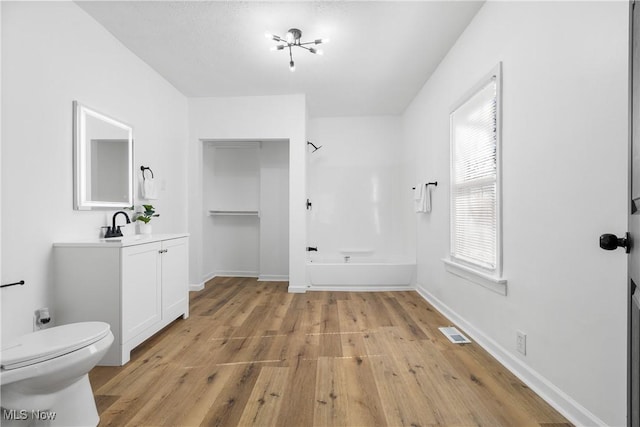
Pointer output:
144, 168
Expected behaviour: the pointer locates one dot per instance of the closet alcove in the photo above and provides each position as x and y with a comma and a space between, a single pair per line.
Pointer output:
246, 201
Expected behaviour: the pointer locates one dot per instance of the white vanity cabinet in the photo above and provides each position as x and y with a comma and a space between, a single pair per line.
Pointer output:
137, 284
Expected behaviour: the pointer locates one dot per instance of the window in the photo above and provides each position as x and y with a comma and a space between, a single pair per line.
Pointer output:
475, 178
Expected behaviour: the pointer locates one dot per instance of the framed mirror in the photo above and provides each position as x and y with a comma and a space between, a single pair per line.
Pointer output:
103, 160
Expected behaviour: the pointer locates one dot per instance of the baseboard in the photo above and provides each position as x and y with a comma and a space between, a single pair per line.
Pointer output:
297, 289
231, 273
197, 287
361, 288
555, 397
272, 278
200, 286
208, 277
265, 278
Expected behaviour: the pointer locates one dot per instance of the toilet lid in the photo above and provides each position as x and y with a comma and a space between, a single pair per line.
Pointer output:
49, 343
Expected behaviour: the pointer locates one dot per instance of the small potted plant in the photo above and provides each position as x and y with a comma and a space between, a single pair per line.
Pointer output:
145, 218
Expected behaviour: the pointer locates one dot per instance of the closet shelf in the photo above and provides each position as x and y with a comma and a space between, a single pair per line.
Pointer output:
233, 213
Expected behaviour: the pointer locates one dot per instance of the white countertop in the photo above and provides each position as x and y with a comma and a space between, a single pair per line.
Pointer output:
120, 242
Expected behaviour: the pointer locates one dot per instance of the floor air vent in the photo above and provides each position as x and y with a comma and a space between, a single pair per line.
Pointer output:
454, 335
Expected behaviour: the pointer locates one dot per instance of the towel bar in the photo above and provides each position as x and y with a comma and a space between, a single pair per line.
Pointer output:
21, 282
428, 184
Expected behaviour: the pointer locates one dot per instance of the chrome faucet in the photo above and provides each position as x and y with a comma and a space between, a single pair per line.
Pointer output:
114, 231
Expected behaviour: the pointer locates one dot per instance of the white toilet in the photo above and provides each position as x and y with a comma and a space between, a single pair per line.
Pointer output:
44, 375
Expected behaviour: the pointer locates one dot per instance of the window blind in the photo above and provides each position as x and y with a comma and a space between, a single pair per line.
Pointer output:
474, 201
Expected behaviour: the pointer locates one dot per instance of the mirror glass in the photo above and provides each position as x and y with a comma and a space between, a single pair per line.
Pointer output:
103, 155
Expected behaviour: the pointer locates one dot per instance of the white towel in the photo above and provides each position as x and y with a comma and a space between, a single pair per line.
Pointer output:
419, 198
427, 198
422, 198
149, 189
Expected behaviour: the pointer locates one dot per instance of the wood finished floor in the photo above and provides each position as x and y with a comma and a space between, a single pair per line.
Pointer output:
252, 354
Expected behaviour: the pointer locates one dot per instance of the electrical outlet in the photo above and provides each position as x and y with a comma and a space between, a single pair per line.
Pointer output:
521, 342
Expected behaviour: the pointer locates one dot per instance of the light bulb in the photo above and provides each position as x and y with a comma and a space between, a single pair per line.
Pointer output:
319, 52
318, 41
292, 66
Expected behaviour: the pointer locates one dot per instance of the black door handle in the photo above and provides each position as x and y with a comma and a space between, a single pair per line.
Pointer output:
611, 242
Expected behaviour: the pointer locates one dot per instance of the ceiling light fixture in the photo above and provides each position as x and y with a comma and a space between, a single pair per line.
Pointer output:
292, 39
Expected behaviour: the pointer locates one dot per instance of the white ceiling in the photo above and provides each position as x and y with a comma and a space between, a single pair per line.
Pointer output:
380, 54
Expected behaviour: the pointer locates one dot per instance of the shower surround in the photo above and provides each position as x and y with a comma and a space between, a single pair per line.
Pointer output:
358, 205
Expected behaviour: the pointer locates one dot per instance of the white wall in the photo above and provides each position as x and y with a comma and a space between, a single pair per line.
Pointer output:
250, 118
565, 88
274, 210
54, 53
354, 186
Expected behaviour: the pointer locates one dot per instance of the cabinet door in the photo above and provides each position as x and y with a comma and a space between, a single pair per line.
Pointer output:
141, 292
175, 278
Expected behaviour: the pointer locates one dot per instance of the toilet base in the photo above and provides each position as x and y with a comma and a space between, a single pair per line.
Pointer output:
74, 405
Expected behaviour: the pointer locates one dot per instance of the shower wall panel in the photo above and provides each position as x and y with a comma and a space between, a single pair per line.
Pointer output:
353, 184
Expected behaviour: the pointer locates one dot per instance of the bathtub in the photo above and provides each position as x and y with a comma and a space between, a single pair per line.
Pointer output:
361, 274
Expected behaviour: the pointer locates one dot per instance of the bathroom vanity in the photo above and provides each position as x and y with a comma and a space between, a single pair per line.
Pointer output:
137, 284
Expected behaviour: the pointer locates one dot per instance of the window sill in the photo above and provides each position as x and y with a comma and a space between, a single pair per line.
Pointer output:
498, 285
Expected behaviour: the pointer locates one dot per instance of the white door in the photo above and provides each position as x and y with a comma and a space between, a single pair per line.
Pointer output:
633, 368
626, 241
175, 279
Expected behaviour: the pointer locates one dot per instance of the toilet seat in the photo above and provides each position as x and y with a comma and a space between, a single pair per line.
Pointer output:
50, 343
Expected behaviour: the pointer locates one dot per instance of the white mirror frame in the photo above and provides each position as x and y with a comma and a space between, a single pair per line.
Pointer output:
80, 113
